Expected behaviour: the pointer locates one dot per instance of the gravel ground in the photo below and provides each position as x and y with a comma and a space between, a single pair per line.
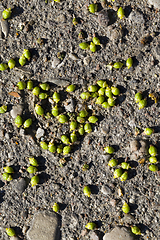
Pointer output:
46, 28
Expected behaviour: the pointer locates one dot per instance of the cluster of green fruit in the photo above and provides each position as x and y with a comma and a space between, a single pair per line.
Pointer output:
119, 172
32, 170
139, 99
3, 109
100, 92
7, 175
91, 46
153, 159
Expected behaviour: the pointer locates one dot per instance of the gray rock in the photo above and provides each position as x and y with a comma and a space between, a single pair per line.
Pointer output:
73, 56
119, 234
14, 238
20, 186
136, 18
39, 133
103, 18
94, 236
5, 27
45, 226
106, 190
55, 62
16, 110
134, 145
155, 3
144, 147
87, 60
59, 82
70, 105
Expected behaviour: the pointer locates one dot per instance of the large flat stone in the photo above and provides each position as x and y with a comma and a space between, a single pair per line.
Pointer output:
45, 226
155, 3
119, 234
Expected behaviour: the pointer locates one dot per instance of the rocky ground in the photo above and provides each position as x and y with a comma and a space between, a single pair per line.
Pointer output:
46, 29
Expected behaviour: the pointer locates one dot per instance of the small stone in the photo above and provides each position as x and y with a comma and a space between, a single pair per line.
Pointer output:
113, 202
5, 27
39, 133
61, 18
144, 147
106, 190
119, 234
94, 235
14, 238
155, 3
73, 56
87, 60
16, 110
1, 133
45, 226
103, 18
70, 105
84, 232
136, 18
20, 186
55, 62
25, 229
134, 145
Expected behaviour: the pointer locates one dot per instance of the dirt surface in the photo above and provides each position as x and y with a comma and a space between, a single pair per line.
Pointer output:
46, 29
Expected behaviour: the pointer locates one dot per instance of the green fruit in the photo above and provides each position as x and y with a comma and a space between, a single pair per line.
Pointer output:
33, 162
55, 207
113, 162
111, 102
70, 88
21, 85
56, 97
117, 65
27, 54
102, 83
138, 97
22, 60
87, 128
124, 176
142, 103
66, 150
3, 109
6, 13
87, 191
60, 149
125, 165
92, 47
10, 232
34, 180
101, 91
153, 168
90, 226
43, 96
80, 119
57, 0
106, 105
51, 147
48, 115
84, 45
18, 121
109, 149
36, 91
85, 95
93, 8
73, 137
8, 169
5, 176
100, 100
129, 62
75, 21
92, 88
3, 66
148, 131
39, 110
44, 145
108, 92
125, 208
153, 159
11, 63
115, 91
73, 126
83, 113
92, 119
117, 173
62, 118
32, 169
85, 167
96, 41
152, 151
55, 111
120, 13
27, 123
65, 139
44, 86
29, 85
136, 230
81, 131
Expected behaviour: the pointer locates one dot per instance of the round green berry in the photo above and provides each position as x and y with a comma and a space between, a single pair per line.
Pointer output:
34, 180
87, 191
44, 145
21, 85
18, 121
11, 63
125, 208
6, 13
27, 123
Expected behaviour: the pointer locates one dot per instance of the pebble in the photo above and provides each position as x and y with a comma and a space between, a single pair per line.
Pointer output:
55, 62
136, 17
16, 110
103, 18
73, 56
87, 60
113, 202
20, 186
5, 28
94, 235
39, 133
144, 147
106, 190
59, 82
14, 238
134, 145
155, 3
70, 106
119, 234
45, 226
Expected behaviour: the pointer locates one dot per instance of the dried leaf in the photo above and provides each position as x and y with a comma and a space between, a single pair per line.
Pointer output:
14, 94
